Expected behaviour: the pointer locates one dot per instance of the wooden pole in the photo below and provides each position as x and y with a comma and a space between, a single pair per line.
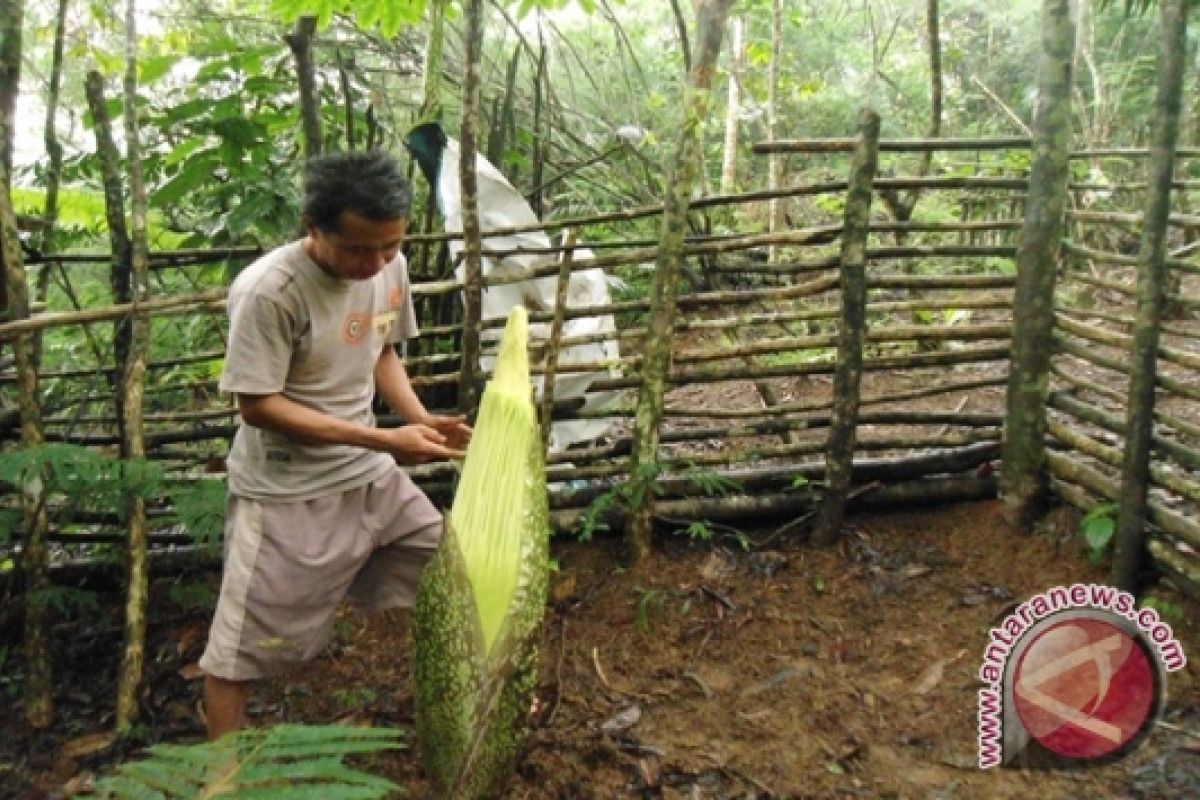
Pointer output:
1129, 543
683, 174
468, 388
35, 561
133, 443
851, 333
1023, 478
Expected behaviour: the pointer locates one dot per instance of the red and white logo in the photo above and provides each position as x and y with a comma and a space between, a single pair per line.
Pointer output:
1084, 688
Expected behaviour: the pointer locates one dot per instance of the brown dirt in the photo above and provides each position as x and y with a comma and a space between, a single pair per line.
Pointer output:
780, 671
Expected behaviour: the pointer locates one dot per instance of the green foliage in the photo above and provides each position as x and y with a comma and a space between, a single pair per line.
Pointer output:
699, 531
710, 482
1169, 611
79, 477
283, 762
65, 600
649, 602
1098, 526
200, 508
192, 595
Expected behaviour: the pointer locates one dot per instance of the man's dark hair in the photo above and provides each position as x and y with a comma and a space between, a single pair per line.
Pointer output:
368, 183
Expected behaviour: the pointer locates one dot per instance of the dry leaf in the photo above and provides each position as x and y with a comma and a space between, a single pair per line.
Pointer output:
190, 672
86, 745
931, 677
622, 721
564, 588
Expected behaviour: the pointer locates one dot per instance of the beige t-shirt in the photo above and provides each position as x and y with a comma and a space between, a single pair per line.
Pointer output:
295, 329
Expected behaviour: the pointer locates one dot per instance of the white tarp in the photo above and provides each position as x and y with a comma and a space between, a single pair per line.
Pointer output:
500, 207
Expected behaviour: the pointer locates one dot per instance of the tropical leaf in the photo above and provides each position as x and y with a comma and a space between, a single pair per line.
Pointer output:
287, 761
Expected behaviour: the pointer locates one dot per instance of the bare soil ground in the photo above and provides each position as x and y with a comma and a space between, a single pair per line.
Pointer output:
712, 671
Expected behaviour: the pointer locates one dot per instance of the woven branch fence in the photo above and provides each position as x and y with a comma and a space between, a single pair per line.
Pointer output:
750, 399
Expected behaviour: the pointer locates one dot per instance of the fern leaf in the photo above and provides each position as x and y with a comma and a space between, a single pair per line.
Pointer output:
288, 762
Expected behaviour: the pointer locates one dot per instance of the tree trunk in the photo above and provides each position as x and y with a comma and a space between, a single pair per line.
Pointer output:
1023, 478
541, 129
683, 170
300, 42
733, 107
775, 217
54, 152
468, 388
133, 444
344, 68
12, 15
35, 559
1130, 541
839, 454
431, 103
114, 206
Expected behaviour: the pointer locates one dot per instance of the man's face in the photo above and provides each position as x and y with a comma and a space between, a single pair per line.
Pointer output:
358, 249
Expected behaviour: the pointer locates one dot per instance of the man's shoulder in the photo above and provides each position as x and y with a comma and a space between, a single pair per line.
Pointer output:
271, 273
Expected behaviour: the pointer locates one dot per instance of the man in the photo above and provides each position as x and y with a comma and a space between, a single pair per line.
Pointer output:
318, 507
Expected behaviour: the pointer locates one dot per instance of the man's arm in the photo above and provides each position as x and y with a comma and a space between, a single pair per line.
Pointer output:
393, 385
275, 412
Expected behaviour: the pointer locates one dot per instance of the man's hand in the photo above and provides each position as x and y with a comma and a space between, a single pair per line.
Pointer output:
455, 429
416, 444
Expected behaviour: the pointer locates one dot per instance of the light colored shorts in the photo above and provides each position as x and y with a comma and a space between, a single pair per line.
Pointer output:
288, 566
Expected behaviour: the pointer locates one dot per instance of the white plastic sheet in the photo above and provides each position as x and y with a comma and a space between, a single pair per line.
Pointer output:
500, 207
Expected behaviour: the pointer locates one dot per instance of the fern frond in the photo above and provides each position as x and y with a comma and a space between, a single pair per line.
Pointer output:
287, 762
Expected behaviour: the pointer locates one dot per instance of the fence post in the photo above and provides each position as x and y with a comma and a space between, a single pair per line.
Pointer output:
1130, 542
1023, 478
682, 176
839, 453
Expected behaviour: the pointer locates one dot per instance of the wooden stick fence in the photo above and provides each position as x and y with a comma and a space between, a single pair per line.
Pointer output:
963, 359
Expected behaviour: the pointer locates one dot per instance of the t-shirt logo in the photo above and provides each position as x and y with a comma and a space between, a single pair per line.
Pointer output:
355, 327
395, 296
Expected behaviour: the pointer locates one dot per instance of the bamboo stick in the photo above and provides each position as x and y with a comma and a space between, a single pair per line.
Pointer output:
1169, 420
762, 508
1126, 321
555, 342
1074, 471
1187, 456
1113, 456
1123, 341
1065, 345
213, 298
1183, 570
974, 355
1106, 257
847, 145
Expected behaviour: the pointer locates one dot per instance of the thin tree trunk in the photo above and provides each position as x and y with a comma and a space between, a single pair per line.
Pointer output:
38, 696
347, 98
114, 204
775, 218
540, 129
1024, 479
733, 106
683, 170
12, 14
300, 42
54, 154
851, 334
468, 389
431, 103
1129, 543
133, 444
